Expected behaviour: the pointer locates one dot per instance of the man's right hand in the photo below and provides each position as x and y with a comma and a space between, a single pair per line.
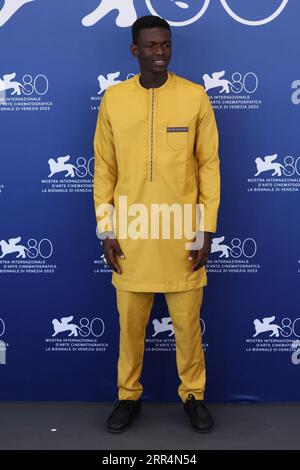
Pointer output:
112, 249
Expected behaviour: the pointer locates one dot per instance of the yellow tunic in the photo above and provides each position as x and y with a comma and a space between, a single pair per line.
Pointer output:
156, 146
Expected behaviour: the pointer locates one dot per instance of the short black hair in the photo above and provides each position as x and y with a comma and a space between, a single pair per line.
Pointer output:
147, 22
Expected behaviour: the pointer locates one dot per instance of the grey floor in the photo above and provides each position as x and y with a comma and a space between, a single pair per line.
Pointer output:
160, 426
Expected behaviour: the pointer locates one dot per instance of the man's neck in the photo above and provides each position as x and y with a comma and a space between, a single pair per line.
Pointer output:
150, 80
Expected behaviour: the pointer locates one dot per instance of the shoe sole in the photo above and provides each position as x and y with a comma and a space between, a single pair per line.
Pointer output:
201, 431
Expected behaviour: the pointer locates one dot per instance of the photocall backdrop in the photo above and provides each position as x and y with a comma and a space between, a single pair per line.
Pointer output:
59, 327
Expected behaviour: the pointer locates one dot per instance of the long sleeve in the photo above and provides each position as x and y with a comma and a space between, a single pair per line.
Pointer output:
105, 170
206, 152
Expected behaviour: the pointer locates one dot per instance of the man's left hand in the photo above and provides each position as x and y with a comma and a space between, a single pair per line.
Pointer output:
200, 257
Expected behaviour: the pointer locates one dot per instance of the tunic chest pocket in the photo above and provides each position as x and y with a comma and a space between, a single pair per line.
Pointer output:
177, 137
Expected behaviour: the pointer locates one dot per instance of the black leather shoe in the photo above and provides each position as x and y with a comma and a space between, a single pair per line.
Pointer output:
201, 419
123, 414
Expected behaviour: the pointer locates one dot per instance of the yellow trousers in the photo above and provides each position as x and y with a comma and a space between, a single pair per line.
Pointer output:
184, 309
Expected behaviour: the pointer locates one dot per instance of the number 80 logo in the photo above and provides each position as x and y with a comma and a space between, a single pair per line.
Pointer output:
227, 9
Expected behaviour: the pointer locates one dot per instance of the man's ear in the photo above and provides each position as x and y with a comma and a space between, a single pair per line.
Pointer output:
134, 50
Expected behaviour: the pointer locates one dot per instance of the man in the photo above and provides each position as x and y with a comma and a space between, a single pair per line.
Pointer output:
156, 143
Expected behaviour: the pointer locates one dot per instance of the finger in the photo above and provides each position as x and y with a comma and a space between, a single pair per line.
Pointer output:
193, 254
112, 262
204, 261
119, 252
198, 263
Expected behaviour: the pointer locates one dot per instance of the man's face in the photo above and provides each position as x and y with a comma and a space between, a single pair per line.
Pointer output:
153, 50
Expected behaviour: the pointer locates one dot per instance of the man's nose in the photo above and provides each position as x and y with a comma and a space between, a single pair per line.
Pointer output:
159, 50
